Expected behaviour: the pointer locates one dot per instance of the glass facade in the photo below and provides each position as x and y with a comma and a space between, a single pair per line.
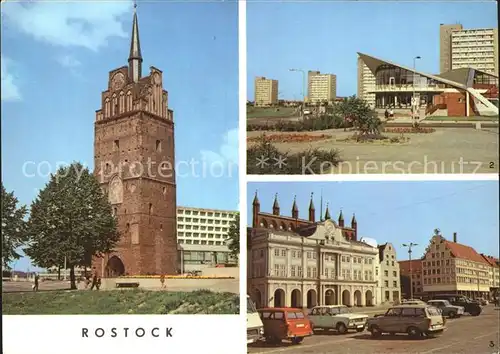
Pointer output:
485, 79
393, 76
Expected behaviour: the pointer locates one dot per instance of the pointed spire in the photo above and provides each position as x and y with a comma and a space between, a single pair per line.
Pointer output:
295, 209
311, 204
276, 205
294, 206
135, 56
327, 213
256, 199
353, 220
341, 219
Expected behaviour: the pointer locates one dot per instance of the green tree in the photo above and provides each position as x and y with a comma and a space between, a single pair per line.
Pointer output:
358, 112
70, 221
13, 227
233, 236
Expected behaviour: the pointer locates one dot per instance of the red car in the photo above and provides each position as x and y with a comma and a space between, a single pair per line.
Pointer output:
285, 324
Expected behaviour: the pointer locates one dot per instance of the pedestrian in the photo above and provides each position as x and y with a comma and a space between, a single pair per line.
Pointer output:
94, 281
35, 287
391, 113
386, 114
98, 283
162, 281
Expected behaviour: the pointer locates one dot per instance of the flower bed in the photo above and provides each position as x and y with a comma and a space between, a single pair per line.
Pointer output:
175, 277
290, 138
409, 130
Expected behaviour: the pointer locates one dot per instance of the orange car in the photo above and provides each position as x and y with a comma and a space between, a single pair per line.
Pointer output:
285, 323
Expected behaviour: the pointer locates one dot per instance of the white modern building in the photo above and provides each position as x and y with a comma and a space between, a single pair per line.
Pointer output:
201, 236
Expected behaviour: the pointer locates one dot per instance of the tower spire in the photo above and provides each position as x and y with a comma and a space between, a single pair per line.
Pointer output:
135, 56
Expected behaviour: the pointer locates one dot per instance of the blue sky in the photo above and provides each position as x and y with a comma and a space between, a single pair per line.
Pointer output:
55, 63
398, 212
326, 36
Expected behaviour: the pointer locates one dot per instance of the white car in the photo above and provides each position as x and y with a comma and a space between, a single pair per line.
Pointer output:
338, 317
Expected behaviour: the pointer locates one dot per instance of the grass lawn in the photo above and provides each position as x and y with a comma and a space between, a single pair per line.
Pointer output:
469, 119
119, 302
259, 112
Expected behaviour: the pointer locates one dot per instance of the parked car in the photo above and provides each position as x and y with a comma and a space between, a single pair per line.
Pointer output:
482, 301
470, 307
415, 320
447, 309
255, 328
338, 317
285, 324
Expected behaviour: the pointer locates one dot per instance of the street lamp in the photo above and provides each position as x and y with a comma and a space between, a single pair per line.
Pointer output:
409, 246
303, 88
413, 98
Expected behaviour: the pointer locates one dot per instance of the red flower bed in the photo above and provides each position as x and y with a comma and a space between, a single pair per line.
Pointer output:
290, 138
409, 130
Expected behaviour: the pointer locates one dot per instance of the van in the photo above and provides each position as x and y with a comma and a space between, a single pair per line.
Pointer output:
285, 324
255, 328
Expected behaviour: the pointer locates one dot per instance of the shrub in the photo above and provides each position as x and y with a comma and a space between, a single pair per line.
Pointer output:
307, 124
265, 158
410, 130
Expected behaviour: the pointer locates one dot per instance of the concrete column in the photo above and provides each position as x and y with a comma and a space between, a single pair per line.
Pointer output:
339, 294
467, 108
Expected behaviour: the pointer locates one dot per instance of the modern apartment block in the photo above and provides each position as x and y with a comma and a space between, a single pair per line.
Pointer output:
445, 48
388, 289
201, 235
463, 48
366, 83
475, 48
451, 267
266, 91
298, 262
321, 87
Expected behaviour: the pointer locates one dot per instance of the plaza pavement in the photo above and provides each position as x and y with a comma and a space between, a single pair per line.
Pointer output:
447, 150
465, 335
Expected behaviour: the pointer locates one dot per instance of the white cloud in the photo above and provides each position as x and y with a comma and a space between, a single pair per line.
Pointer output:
78, 24
10, 91
68, 61
228, 151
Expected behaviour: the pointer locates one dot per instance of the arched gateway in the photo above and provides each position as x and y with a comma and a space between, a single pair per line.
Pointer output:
114, 267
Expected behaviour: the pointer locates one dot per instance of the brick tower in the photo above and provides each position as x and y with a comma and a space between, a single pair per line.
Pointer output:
134, 161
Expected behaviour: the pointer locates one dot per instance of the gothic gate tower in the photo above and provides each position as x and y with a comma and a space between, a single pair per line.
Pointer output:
134, 161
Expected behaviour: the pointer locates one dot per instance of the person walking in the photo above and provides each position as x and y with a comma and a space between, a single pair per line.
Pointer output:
162, 281
94, 281
37, 278
386, 114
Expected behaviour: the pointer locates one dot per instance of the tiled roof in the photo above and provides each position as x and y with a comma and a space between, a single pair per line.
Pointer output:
464, 252
494, 262
416, 266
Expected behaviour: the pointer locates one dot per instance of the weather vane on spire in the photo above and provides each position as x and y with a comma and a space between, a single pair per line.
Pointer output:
135, 5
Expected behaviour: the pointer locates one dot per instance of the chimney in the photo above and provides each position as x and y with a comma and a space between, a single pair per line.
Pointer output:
455, 237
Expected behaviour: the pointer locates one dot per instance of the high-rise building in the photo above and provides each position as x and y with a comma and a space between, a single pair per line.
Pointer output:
266, 91
201, 235
134, 128
321, 87
445, 48
476, 48
366, 83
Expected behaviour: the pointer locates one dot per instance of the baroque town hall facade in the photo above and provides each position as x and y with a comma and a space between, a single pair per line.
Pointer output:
134, 158
296, 262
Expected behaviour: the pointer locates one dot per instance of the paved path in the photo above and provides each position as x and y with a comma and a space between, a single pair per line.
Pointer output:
465, 335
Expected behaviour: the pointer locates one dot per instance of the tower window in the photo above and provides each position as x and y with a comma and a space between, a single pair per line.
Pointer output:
115, 211
128, 227
150, 208
116, 145
158, 145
